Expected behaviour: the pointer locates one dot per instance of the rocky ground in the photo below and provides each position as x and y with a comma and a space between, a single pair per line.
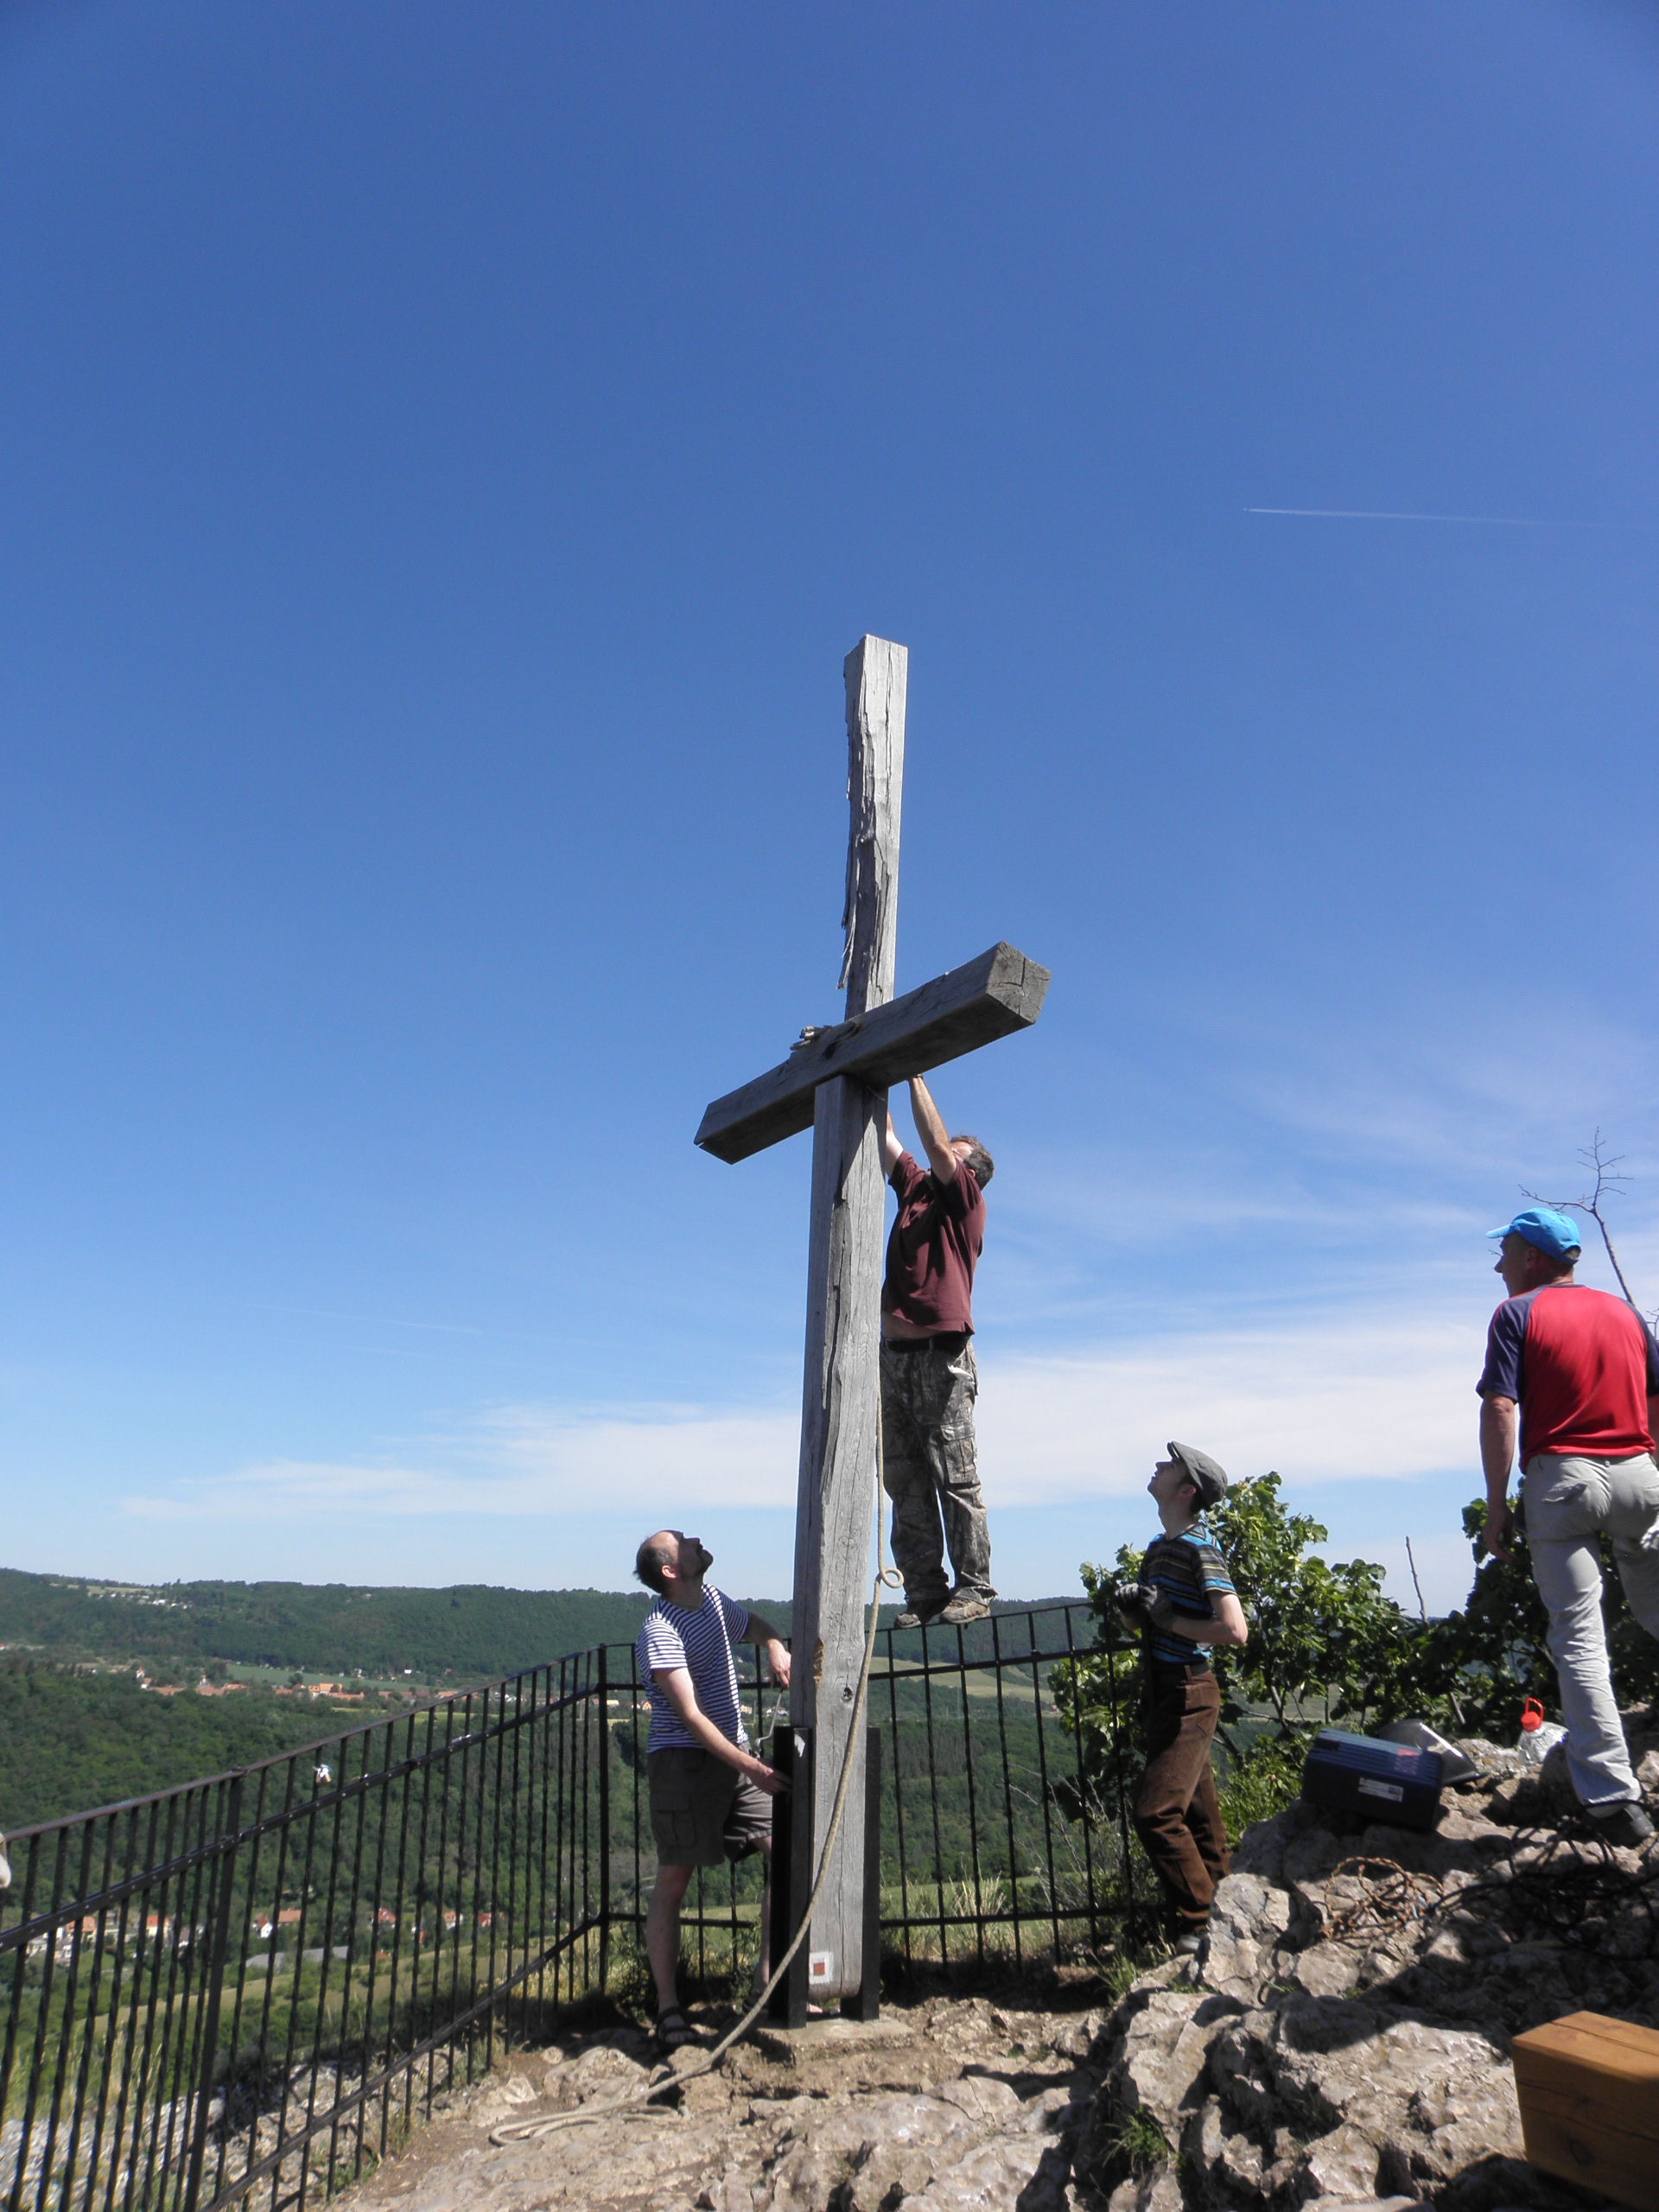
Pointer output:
1346, 2037
950, 2104
1343, 2040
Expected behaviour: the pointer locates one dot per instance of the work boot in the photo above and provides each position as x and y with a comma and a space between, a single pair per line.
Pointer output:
964, 1606
1624, 1824
919, 1611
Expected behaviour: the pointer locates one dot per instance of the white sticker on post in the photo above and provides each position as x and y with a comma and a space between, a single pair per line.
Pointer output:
820, 1966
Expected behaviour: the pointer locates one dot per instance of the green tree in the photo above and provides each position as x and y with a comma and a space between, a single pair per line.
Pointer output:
1324, 1644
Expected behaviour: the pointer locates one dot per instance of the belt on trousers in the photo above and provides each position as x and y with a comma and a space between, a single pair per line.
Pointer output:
950, 1340
1176, 1670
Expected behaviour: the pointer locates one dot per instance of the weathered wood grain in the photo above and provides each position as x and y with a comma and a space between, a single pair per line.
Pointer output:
877, 674
839, 1398
1000, 992
841, 1385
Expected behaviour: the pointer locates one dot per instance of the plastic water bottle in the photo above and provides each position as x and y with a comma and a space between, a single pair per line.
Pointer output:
1538, 1737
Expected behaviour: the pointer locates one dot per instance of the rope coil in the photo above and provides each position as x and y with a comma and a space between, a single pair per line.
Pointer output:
1565, 1885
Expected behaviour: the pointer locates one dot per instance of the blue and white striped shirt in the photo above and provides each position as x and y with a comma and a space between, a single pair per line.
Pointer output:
1188, 1569
701, 1642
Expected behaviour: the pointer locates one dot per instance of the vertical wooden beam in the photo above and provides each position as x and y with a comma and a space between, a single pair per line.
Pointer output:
841, 1392
878, 675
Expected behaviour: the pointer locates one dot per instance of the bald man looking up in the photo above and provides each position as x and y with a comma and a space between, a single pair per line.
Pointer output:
708, 1792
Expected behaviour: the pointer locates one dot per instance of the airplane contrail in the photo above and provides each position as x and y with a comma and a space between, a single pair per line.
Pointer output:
1368, 514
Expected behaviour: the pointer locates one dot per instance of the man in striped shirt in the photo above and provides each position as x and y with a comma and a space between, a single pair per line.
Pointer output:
708, 1792
1185, 1601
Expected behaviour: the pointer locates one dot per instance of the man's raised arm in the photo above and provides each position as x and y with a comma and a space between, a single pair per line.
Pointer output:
891, 1150
935, 1138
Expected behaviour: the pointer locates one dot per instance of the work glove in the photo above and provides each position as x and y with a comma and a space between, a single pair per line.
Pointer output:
1142, 1605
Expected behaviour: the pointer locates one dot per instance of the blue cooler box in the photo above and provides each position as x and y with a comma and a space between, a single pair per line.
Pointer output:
1397, 1783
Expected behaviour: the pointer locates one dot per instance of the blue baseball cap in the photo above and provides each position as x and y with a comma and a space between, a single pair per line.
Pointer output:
1550, 1231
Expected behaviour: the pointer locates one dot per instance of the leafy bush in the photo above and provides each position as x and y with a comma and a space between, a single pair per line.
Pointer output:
1265, 1777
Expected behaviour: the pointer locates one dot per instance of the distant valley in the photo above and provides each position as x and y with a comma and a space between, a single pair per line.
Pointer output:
111, 1690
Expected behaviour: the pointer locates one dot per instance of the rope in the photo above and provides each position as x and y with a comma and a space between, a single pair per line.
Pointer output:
1391, 1897
665, 2078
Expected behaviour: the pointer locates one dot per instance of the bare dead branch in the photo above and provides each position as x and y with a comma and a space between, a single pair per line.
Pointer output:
1609, 1185
1421, 1608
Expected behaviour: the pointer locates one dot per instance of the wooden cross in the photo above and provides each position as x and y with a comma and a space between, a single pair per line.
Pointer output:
835, 1083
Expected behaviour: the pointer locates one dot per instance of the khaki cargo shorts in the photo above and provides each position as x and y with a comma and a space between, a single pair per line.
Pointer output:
704, 1812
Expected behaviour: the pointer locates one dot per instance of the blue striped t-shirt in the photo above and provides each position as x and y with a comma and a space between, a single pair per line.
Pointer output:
701, 1642
1188, 1567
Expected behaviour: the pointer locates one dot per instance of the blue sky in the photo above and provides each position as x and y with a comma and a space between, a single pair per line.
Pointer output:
447, 454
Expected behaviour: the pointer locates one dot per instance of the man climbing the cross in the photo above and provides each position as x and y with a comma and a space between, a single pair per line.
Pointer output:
929, 1462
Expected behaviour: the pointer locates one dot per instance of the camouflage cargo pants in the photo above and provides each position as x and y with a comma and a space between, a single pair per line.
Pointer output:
930, 1467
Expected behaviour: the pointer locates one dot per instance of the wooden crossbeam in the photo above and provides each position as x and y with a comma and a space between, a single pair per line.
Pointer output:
965, 1008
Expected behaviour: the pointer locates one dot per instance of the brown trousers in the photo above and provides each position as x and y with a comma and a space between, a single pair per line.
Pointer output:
1176, 1813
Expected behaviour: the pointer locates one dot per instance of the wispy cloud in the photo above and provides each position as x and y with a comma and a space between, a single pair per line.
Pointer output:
535, 1462
1321, 1401
1385, 514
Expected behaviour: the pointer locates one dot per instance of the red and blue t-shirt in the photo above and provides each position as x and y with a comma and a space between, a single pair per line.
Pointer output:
1580, 1364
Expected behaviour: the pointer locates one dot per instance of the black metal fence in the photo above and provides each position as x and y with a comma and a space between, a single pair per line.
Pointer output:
249, 1988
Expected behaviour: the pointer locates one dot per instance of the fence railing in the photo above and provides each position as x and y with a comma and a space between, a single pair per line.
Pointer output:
249, 1988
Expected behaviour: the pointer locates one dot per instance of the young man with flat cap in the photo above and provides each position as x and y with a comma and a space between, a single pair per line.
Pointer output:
1572, 1374
1184, 1603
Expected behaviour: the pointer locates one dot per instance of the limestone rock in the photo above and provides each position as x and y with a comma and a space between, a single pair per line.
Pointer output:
870, 2149
1164, 2048
1343, 2037
1158, 2192
1249, 1918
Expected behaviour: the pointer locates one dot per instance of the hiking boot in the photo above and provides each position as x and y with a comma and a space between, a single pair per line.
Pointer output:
918, 1614
1189, 1945
1625, 1825
964, 1606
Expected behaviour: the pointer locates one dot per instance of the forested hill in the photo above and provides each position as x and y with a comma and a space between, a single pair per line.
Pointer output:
77, 1727
470, 1631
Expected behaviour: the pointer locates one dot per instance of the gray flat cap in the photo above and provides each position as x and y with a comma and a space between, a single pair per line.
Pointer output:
1208, 1475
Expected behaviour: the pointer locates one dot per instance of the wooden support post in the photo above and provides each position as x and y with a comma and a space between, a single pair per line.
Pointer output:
841, 1397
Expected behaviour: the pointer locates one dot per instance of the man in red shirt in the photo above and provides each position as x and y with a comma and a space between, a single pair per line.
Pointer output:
929, 1459
1580, 1370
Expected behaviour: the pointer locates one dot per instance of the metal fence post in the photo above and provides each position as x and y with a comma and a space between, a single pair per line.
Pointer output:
604, 1815
226, 1878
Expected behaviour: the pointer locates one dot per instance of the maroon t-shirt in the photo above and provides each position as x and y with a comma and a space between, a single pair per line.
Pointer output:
934, 1247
